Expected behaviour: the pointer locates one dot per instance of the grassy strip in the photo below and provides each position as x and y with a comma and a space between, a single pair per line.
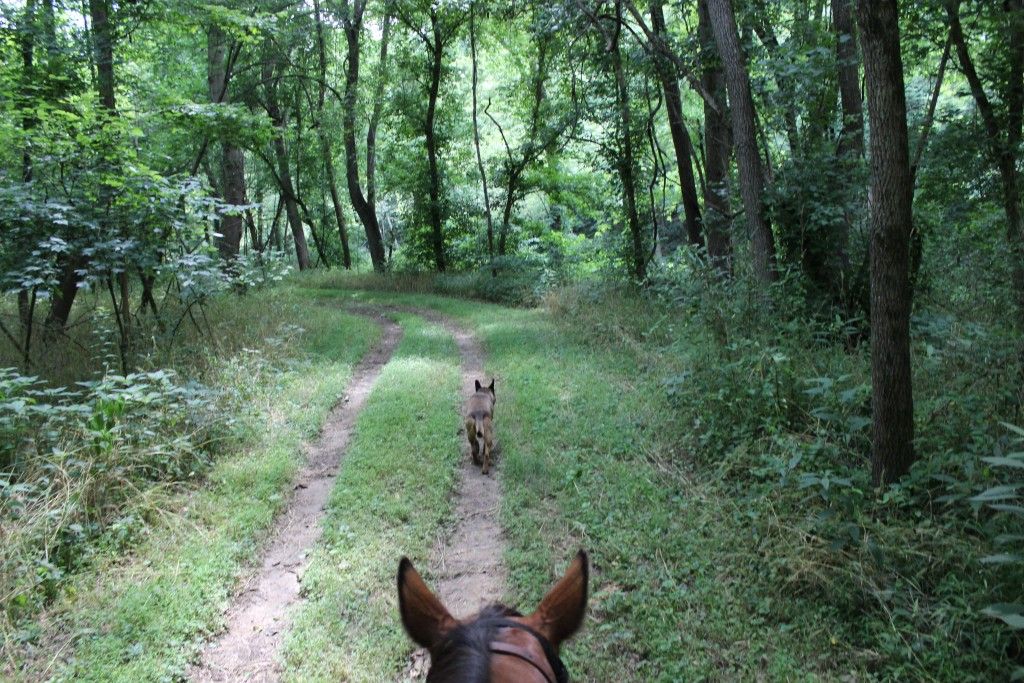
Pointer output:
390, 499
142, 619
588, 460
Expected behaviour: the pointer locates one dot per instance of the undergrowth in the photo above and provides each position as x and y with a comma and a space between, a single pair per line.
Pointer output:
105, 468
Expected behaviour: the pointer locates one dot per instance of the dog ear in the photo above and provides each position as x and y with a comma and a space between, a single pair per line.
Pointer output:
426, 620
560, 613
477, 384
491, 388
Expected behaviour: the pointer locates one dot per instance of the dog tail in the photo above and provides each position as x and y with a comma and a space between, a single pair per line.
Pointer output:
479, 428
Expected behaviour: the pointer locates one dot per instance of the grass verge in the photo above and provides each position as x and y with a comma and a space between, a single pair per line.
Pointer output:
142, 617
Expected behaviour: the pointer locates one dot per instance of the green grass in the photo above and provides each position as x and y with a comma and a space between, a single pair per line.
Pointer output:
707, 563
142, 617
391, 496
726, 507
588, 461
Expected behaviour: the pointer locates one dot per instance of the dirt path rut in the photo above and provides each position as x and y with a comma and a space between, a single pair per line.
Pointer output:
468, 564
259, 617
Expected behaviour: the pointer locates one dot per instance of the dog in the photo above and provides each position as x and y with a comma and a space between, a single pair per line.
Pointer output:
480, 425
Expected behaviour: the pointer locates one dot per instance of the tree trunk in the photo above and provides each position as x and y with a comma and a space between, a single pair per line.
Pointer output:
476, 143
231, 226
103, 54
318, 244
892, 405
677, 127
851, 137
378, 105
717, 149
325, 143
506, 211
626, 165
366, 212
232, 158
433, 172
103, 48
339, 212
283, 172
291, 205
744, 133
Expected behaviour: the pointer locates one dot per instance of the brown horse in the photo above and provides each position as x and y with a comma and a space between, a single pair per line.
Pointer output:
499, 644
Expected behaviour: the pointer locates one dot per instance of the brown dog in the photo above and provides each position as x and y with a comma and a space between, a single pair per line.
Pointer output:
480, 424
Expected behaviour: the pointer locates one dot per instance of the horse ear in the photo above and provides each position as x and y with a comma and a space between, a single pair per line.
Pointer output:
425, 619
477, 385
561, 611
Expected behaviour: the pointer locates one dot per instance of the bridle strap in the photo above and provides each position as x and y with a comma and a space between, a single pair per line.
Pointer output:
554, 662
500, 648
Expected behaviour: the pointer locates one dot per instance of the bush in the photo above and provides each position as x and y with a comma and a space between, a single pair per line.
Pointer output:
72, 460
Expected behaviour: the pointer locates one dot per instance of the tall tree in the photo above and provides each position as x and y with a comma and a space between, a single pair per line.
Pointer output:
664, 61
626, 165
352, 22
744, 134
102, 49
851, 136
542, 135
436, 30
1004, 137
325, 140
892, 404
219, 59
476, 142
271, 69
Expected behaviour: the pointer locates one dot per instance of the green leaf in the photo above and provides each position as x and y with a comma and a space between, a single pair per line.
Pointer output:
1013, 428
1001, 558
1011, 613
1003, 492
1005, 462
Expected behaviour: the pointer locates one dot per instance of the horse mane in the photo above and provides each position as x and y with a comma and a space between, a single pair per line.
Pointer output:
465, 655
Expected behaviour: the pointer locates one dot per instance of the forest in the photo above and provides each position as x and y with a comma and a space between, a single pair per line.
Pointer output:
746, 278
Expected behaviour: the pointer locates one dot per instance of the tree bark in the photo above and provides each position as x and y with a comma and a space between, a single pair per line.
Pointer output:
232, 156
744, 134
433, 172
677, 126
476, 142
717, 146
366, 211
103, 48
851, 137
892, 405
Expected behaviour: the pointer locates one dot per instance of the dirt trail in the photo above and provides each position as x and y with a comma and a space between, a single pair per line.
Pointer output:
468, 564
259, 617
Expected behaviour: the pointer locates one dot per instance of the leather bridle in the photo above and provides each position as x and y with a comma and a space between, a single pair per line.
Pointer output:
553, 661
